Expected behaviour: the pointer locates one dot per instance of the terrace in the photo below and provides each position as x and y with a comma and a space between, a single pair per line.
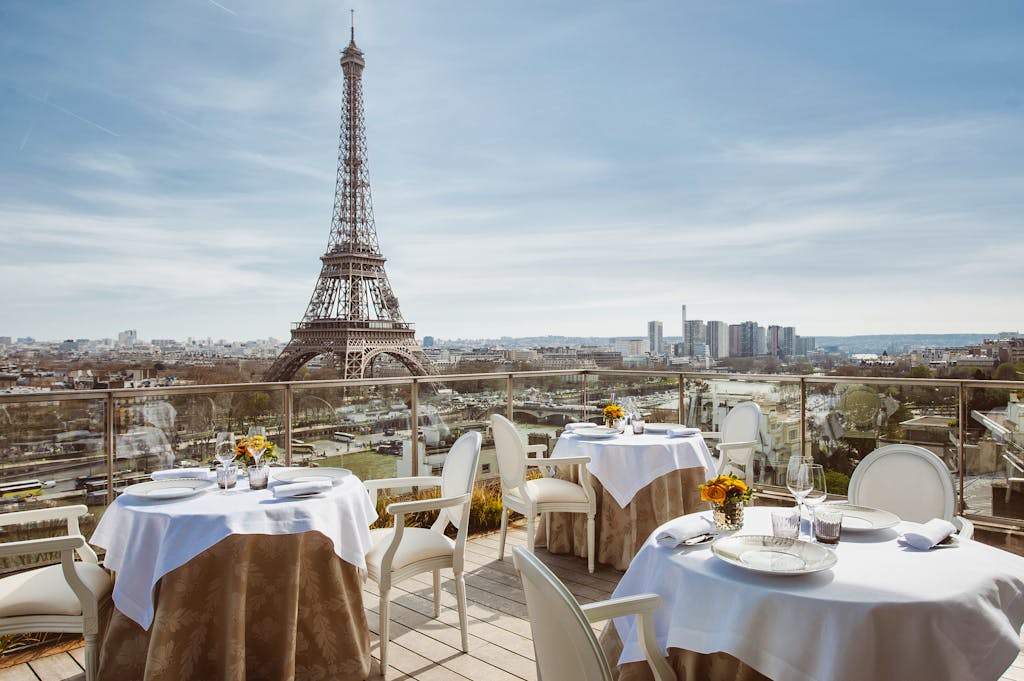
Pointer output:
120, 436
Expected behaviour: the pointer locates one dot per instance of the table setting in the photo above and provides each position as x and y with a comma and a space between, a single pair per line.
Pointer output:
643, 474
824, 591
265, 572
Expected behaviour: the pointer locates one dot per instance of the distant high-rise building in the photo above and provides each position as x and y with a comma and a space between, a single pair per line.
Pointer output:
654, 334
788, 341
774, 340
630, 347
428, 341
717, 335
128, 339
683, 327
744, 340
694, 334
760, 341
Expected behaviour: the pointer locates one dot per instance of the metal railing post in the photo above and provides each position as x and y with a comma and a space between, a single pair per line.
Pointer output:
510, 388
586, 399
682, 399
108, 444
414, 416
961, 444
803, 416
288, 424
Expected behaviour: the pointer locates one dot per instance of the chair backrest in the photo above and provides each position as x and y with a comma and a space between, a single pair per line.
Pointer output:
907, 480
510, 450
563, 641
459, 474
742, 423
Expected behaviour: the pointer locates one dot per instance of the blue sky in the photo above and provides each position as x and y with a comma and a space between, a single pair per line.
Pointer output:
571, 168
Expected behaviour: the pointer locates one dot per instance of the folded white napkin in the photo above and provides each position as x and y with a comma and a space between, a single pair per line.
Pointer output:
174, 473
683, 432
677, 531
569, 427
296, 488
925, 536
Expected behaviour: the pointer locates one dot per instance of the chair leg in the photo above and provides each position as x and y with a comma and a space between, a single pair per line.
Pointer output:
385, 598
531, 531
504, 529
460, 592
590, 543
547, 530
437, 593
91, 656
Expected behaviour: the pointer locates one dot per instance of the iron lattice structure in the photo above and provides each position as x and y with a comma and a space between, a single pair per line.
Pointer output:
353, 314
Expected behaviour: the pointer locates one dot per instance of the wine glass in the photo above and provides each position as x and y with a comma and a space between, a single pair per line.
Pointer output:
798, 482
224, 450
257, 443
818, 492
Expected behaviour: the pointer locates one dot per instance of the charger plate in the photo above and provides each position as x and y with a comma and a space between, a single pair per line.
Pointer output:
773, 555
175, 488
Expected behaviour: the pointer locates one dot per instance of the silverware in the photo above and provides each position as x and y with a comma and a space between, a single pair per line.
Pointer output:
699, 539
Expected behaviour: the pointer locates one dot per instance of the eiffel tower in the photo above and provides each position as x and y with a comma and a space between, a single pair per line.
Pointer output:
353, 314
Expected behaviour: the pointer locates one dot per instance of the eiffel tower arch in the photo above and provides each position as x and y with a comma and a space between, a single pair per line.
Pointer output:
353, 313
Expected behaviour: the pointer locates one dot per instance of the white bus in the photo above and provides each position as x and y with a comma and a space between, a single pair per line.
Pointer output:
343, 437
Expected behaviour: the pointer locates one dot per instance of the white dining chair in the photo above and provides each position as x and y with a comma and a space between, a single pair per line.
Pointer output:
909, 481
540, 495
61, 598
737, 441
564, 643
402, 552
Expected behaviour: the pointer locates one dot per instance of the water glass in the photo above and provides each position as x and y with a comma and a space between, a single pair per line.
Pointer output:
227, 476
638, 425
259, 476
786, 523
828, 524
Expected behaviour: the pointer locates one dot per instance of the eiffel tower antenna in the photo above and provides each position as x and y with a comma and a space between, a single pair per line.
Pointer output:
353, 313
353, 24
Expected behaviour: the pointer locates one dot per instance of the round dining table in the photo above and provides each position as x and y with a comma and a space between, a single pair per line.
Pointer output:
238, 584
641, 481
883, 611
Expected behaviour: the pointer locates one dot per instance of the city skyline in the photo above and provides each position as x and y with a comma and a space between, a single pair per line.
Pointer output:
842, 170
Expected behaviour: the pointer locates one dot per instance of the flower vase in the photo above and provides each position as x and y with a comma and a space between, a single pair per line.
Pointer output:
729, 516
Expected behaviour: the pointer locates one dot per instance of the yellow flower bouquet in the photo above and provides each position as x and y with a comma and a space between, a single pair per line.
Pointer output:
270, 453
727, 493
612, 413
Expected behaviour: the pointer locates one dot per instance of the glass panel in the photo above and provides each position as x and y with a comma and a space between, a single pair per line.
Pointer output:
49, 451
455, 407
708, 402
848, 420
363, 428
994, 452
656, 396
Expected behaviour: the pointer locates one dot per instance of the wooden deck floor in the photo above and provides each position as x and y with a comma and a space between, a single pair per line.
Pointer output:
429, 649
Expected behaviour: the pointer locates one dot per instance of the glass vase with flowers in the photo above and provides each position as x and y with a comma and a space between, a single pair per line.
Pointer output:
727, 494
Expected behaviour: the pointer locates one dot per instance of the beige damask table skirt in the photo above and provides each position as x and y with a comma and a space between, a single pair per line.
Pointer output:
620, 532
685, 663
251, 607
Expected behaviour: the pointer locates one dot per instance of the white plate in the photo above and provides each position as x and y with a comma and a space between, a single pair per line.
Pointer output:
334, 475
596, 432
178, 488
660, 427
865, 518
774, 555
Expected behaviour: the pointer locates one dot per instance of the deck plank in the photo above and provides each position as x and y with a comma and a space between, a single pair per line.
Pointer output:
21, 672
60, 667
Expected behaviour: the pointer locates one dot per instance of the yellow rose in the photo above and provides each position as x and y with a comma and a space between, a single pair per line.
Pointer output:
714, 493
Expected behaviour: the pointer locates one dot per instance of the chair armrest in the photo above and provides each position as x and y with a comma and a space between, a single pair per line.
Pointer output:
620, 607
44, 545
965, 528
643, 606
403, 507
418, 481
558, 461
713, 434
536, 449
726, 446
43, 514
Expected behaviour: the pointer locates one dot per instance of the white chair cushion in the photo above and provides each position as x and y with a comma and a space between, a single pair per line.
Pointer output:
44, 591
417, 544
551, 490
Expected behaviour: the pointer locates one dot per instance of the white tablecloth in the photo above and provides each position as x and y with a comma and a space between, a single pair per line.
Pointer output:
627, 463
145, 540
882, 612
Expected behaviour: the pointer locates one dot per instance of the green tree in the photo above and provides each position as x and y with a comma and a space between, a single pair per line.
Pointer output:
920, 371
